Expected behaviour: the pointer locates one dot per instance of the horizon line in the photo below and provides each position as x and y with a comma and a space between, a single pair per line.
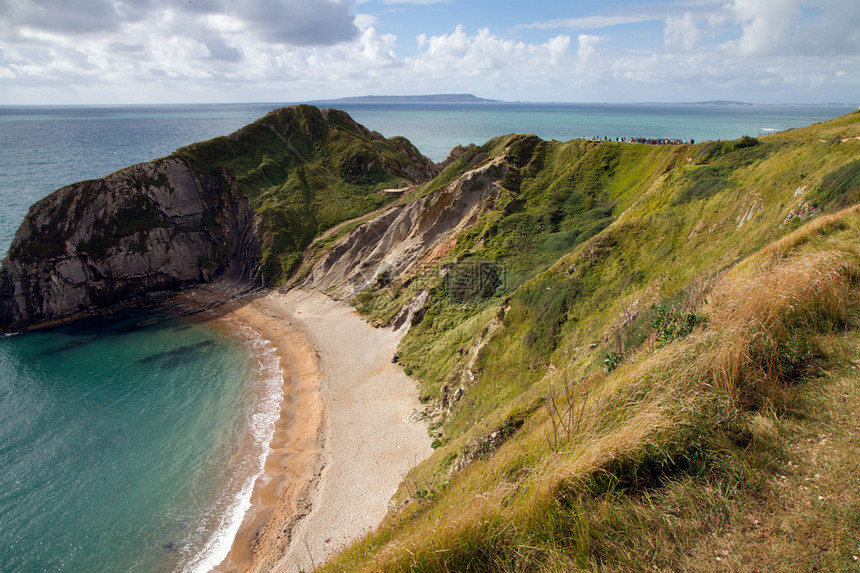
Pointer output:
480, 101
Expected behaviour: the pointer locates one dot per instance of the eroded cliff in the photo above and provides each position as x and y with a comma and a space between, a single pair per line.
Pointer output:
408, 238
241, 207
147, 228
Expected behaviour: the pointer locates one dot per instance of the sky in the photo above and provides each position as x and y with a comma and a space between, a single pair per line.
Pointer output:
201, 51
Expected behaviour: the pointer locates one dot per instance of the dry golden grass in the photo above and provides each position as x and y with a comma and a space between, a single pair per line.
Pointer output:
762, 325
819, 227
807, 517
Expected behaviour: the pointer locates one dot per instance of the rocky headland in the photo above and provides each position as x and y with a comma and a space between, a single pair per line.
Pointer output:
240, 207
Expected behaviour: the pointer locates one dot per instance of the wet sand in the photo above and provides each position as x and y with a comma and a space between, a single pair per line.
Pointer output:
346, 437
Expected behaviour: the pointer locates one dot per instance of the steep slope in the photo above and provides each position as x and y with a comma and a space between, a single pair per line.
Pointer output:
242, 206
609, 353
408, 238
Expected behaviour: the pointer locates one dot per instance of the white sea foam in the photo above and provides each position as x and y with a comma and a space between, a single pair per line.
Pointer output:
267, 410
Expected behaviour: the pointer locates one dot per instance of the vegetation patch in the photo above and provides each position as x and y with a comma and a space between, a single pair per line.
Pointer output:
546, 303
667, 352
838, 189
702, 183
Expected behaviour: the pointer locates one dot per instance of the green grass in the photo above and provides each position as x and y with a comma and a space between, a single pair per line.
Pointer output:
673, 263
305, 172
838, 189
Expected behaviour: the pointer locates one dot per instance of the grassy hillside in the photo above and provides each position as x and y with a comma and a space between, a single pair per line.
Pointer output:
661, 375
305, 170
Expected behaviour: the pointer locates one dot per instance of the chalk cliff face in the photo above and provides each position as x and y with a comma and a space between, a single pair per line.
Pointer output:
407, 238
147, 228
242, 207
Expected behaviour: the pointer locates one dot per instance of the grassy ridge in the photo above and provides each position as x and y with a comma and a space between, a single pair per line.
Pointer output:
625, 392
305, 170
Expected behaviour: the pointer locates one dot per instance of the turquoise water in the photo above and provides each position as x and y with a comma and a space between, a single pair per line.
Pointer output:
130, 444
127, 445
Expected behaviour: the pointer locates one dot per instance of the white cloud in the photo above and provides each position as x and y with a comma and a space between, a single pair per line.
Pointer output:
487, 56
773, 28
557, 48
372, 53
681, 32
769, 26
364, 21
587, 45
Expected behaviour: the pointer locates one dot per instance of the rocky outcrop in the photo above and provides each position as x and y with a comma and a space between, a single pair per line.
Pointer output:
242, 206
117, 240
407, 238
412, 312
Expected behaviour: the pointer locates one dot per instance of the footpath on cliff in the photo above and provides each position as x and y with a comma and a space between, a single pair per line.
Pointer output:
348, 432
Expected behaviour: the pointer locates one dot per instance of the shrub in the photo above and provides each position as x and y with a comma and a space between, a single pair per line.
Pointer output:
746, 141
670, 324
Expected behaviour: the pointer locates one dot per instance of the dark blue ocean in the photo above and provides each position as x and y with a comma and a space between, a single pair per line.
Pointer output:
131, 443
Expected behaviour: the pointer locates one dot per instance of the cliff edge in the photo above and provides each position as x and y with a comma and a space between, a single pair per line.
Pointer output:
240, 207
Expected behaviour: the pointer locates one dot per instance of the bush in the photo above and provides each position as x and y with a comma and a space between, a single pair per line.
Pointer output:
669, 324
746, 141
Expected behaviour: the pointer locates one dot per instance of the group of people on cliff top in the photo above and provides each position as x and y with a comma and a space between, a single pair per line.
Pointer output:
647, 140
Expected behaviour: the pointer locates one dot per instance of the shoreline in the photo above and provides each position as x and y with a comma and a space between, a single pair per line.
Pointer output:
345, 437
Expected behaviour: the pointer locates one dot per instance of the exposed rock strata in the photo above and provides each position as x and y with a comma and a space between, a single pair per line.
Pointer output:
240, 207
150, 227
407, 238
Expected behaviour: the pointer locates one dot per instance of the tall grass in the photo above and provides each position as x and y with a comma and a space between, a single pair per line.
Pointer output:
763, 325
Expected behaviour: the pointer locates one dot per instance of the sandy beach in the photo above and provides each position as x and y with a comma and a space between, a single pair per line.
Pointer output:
346, 437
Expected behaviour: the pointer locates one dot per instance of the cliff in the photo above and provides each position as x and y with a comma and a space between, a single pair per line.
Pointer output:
407, 239
152, 227
241, 207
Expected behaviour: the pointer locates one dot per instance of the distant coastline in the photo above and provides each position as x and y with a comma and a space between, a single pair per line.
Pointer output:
473, 99
433, 98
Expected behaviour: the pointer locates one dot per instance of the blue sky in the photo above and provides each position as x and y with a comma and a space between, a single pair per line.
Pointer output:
149, 51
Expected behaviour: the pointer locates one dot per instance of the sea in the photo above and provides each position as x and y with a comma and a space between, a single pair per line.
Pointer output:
132, 442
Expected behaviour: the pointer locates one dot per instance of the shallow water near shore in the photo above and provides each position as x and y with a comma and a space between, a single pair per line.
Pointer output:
127, 447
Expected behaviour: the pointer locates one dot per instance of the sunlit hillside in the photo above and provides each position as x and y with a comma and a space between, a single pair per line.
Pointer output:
660, 373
